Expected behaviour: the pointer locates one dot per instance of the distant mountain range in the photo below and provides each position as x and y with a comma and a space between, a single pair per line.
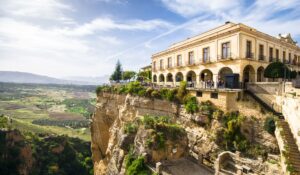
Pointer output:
24, 77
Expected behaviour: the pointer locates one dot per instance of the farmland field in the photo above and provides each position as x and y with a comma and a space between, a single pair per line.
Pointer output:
54, 109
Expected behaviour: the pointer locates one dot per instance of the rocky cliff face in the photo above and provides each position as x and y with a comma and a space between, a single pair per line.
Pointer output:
110, 144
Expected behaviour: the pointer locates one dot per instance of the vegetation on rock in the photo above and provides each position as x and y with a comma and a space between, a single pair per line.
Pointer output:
163, 129
130, 128
135, 165
269, 125
191, 104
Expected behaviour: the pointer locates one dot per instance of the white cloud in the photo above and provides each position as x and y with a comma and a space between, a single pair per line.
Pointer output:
110, 40
37, 9
57, 49
106, 24
195, 7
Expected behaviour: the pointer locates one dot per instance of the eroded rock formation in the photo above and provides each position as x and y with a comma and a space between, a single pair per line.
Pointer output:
110, 144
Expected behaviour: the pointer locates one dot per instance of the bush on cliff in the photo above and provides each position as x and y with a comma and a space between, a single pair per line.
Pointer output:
135, 165
269, 125
163, 128
134, 88
182, 92
232, 138
207, 108
191, 104
130, 128
104, 88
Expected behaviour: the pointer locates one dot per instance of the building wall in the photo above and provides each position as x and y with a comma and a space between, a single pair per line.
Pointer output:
226, 101
291, 112
237, 35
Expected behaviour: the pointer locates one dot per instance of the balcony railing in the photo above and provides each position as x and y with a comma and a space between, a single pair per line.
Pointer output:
206, 60
169, 66
225, 56
249, 55
179, 65
261, 57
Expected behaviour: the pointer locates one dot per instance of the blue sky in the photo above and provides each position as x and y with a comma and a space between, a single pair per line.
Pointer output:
64, 38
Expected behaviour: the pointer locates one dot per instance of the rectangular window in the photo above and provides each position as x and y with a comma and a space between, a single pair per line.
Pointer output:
206, 55
154, 65
169, 62
261, 52
161, 64
225, 50
277, 55
248, 49
199, 93
179, 60
270, 54
214, 95
295, 60
191, 58
284, 57
290, 58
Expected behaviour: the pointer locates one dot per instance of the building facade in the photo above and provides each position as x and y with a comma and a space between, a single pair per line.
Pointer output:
205, 60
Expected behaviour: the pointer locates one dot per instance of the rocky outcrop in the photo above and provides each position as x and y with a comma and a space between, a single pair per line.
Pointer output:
110, 144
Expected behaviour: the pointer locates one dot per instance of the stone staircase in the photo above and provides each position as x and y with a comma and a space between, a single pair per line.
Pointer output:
292, 153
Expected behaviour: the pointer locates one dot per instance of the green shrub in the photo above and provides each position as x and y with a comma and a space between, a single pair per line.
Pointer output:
148, 121
142, 93
99, 90
182, 92
207, 108
171, 95
3, 122
155, 94
163, 92
104, 88
191, 104
130, 128
122, 89
164, 129
133, 88
232, 138
269, 125
138, 167
149, 91
217, 114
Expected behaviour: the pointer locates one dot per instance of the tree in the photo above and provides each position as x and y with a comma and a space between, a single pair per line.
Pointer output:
144, 75
277, 70
117, 75
128, 75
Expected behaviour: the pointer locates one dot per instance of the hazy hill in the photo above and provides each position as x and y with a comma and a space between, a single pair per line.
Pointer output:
24, 77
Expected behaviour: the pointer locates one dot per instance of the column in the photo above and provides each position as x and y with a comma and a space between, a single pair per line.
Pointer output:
197, 80
215, 79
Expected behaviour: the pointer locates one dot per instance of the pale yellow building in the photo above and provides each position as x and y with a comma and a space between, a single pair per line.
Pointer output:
227, 49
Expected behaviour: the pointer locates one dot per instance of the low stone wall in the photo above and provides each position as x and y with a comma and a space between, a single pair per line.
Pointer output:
290, 89
274, 88
280, 143
291, 112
